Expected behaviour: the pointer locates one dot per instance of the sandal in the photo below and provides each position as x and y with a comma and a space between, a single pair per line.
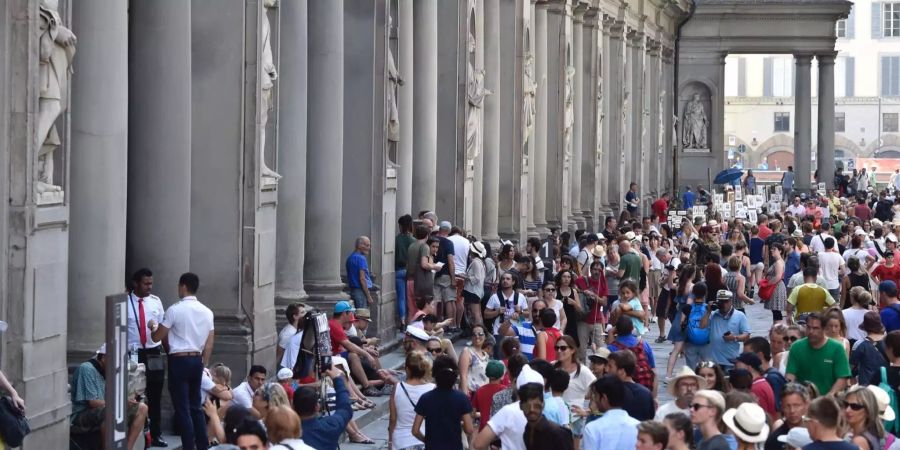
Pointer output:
358, 406
360, 439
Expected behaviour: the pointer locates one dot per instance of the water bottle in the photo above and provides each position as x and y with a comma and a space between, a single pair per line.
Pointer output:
133, 353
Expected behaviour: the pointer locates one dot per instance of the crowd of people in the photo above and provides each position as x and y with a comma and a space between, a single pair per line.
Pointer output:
559, 340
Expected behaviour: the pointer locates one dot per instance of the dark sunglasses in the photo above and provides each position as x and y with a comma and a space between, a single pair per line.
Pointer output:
853, 406
560, 348
790, 339
550, 289
478, 333
435, 350
697, 406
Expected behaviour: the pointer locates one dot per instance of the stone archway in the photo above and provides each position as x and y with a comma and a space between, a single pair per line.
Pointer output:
889, 145
778, 145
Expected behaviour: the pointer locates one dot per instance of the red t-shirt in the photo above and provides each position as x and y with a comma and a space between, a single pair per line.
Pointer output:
887, 273
659, 208
862, 212
336, 330
482, 400
764, 232
763, 392
289, 390
598, 287
552, 337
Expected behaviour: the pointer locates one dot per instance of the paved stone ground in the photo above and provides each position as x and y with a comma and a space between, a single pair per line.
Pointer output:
760, 321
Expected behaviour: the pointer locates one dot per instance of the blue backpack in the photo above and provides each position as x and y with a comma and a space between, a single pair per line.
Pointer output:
695, 334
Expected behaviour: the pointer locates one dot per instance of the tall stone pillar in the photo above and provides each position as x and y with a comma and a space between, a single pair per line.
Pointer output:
668, 150
825, 156
651, 124
99, 167
575, 212
637, 152
159, 142
590, 156
538, 168
803, 125
615, 87
560, 112
405, 153
292, 80
491, 149
325, 146
516, 146
425, 104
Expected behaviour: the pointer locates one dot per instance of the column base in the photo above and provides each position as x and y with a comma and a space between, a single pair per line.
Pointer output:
540, 230
323, 295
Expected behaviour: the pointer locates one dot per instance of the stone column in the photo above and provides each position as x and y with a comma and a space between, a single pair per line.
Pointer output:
802, 124
538, 168
425, 104
637, 165
491, 148
292, 113
603, 85
99, 167
578, 105
825, 156
590, 160
667, 150
651, 122
325, 144
159, 142
615, 86
405, 64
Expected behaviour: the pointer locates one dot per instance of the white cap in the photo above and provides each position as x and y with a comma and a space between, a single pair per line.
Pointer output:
284, 374
528, 375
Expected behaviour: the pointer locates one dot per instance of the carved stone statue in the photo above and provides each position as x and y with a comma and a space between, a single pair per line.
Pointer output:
395, 80
56, 51
528, 104
695, 125
267, 76
569, 112
475, 93
662, 124
600, 115
623, 128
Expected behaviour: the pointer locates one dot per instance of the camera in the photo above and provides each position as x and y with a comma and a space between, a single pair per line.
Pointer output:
713, 305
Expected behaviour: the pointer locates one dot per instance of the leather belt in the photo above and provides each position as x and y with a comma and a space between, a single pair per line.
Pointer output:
184, 354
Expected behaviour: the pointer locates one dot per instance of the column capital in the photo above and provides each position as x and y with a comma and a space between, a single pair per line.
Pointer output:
578, 11
592, 17
826, 58
668, 54
614, 27
635, 37
653, 47
803, 59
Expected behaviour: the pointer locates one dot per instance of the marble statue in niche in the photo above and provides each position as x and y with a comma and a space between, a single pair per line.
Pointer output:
528, 104
600, 115
695, 125
395, 80
569, 112
267, 76
56, 52
622, 129
475, 93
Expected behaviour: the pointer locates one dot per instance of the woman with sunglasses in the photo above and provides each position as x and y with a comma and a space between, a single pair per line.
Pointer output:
580, 379
548, 295
795, 398
714, 376
472, 363
861, 413
706, 413
794, 334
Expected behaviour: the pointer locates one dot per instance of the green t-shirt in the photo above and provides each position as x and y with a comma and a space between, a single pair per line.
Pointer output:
631, 264
401, 245
822, 366
414, 254
87, 384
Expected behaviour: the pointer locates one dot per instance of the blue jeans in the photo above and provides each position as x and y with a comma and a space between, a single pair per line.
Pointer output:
359, 298
400, 275
694, 354
185, 373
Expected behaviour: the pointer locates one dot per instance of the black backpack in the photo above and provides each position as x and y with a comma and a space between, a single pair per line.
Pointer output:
13, 424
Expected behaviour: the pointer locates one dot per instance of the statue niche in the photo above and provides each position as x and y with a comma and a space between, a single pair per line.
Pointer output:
475, 93
694, 119
267, 76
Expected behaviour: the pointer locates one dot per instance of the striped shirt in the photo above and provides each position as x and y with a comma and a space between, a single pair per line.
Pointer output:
527, 337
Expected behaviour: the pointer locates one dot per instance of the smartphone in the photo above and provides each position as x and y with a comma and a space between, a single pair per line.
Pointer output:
727, 333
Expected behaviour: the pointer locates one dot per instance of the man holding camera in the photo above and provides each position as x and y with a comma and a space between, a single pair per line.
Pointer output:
728, 328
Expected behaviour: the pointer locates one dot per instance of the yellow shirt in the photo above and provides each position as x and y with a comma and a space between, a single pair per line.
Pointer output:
810, 297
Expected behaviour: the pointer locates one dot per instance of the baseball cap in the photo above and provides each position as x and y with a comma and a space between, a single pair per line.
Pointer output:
888, 287
592, 238
494, 369
342, 307
285, 374
751, 360
102, 349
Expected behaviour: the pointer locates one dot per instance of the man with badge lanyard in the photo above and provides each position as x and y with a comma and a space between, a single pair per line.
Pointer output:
142, 308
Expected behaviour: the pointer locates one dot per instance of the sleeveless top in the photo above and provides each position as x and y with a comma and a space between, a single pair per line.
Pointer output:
476, 376
731, 283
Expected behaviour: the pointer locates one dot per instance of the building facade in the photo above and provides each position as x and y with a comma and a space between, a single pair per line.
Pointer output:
760, 119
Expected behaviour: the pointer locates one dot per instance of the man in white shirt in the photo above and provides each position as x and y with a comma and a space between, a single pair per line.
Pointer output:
144, 307
243, 393
831, 266
294, 312
461, 247
797, 209
817, 244
188, 325
508, 424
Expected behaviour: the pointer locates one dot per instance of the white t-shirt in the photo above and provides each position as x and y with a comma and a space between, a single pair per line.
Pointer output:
578, 386
406, 412
206, 384
854, 318
295, 444
189, 323
243, 395
830, 266
460, 254
289, 359
817, 244
495, 303
670, 408
285, 335
797, 210
509, 425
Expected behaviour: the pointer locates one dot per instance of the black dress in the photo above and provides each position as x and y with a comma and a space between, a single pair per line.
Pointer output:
571, 315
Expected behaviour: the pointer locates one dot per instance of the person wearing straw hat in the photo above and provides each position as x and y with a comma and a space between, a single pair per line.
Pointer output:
748, 422
682, 387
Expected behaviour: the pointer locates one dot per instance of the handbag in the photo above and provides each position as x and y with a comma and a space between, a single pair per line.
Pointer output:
13, 424
766, 289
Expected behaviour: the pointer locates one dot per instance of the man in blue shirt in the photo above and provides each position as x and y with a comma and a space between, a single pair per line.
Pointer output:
615, 429
890, 313
632, 201
728, 328
689, 198
323, 432
358, 277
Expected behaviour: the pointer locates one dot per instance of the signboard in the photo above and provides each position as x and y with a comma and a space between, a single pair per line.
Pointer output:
738, 193
116, 372
821, 188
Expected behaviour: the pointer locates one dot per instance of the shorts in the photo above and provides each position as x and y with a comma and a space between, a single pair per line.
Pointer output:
470, 298
89, 421
444, 289
653, 281
662, 304
757, 266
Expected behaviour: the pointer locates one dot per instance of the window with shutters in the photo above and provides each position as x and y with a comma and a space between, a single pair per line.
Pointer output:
783, 121
890, 16
890, 76
840, 123
841, 28
889, 122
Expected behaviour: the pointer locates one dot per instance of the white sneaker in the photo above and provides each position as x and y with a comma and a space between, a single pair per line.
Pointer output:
653, 320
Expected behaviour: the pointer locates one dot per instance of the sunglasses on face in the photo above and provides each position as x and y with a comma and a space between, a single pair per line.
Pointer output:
853, 406
434, 350
697, 406
478, 334
790, 339
550, 290
560, 348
